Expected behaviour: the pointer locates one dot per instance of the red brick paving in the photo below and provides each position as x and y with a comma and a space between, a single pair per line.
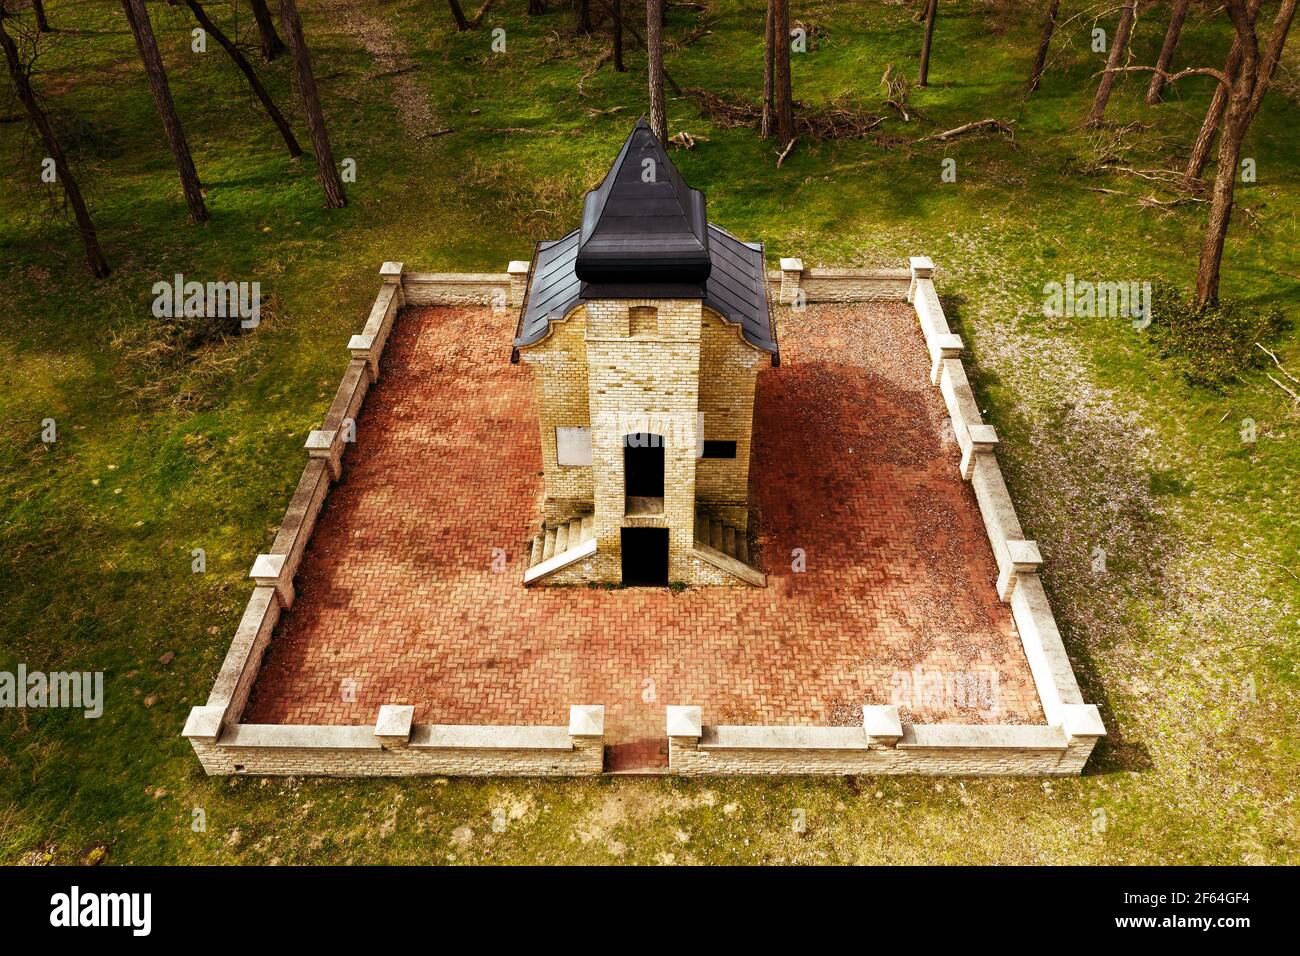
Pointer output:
397, 591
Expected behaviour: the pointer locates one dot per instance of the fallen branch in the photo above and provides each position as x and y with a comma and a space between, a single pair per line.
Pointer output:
784, 153
1168, 77
836, 122
1165, 203
1283, 387
967, 128
1278, 363
1266, 561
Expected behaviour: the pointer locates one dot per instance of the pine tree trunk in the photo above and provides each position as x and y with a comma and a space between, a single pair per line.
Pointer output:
1251, 81
138, 18
931, 10
536, 6
246, 68
1044, 43
784, 96
617, 27
42, 24
1166, 57
22, 87
655, 51
584, 16
331, 182
1117, 47
1235, 124
461, 23
1270, 58
769, 71
1214, 112
272, 45
1210, 125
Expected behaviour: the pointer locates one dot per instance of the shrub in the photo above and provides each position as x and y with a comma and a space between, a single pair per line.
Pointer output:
1214, 344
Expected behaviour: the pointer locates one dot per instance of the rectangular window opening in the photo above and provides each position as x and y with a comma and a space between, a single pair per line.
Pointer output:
719, 449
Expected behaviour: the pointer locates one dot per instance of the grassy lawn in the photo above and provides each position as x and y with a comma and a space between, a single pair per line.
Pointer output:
1187, 640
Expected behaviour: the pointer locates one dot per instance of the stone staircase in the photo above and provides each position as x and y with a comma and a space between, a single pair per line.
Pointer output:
726, 548
559, 547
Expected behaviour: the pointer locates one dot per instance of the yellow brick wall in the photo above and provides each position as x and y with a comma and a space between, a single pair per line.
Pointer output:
592, 370
647, 383
728, 369
559, 365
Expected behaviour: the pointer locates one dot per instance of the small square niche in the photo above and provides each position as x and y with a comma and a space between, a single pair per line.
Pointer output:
642, 321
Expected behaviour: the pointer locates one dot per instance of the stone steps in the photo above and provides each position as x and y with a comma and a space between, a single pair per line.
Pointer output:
559, 547
727, 542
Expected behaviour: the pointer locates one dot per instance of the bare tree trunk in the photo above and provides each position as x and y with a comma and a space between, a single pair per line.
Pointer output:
1214, 113
931, 10
272, 45
536, 6
138, 17
584, 16
1235, 124
784, 98
42, 24
461, 23
22, 86
655, 49
1254, 75
1118, 44
1044, 43
769, 71
1167, 50
331, 182
1273, 55
617, 27
246, 68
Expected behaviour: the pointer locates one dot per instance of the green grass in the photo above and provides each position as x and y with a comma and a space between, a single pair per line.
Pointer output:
1187, 641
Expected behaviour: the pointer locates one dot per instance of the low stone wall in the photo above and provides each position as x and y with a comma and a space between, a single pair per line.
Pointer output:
393, 746
793, 284
882, 745
396, 748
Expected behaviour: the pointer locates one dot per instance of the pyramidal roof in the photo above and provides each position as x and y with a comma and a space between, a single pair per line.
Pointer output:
644, 235
643, 223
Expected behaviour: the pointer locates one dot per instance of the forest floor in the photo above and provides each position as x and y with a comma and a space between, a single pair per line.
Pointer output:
1171, 543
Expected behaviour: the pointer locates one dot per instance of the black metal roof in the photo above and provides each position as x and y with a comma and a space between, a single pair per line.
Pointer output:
643, 222
639, 243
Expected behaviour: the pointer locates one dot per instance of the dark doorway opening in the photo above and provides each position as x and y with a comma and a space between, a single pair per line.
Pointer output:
645, 556
643, 473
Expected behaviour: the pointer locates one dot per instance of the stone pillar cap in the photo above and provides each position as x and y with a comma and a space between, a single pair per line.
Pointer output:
392, 268
517, 266
792, 265
320, 438
267, 566
881, 720
586, 720
684, 721
922, 266
1082, 720
394, 720
1024, 552
204, 723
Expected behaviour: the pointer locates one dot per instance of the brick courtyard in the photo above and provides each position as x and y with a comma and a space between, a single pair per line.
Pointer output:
398, 598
